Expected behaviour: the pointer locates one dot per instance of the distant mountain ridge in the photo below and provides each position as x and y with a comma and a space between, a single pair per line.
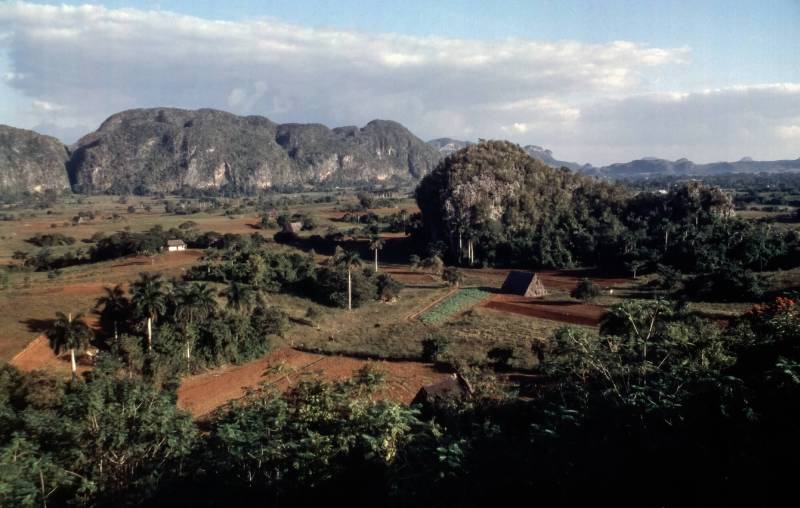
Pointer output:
446, 146
650, 167
641, 168
165, 149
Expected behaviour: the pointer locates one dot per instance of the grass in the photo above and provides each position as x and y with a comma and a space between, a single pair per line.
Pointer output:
475, 332
376, 330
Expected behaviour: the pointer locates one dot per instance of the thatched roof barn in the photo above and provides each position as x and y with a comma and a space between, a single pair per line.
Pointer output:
293, 227
524, 284
454, 387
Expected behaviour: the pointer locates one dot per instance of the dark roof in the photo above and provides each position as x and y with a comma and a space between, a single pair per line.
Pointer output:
523, 283
517, 282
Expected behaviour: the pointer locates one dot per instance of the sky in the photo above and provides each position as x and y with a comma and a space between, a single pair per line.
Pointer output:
596, 82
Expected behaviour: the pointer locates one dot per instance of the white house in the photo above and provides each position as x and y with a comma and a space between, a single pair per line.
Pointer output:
176, 245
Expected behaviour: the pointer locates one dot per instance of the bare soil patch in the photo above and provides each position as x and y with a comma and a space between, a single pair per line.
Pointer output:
38, 355
203, 393
564, 311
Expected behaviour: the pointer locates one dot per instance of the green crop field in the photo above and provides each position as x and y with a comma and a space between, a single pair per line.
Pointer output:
453, 304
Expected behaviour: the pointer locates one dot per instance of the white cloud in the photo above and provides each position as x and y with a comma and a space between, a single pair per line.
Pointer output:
587, 101
789, 132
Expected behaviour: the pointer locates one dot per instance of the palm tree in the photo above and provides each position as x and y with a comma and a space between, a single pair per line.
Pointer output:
71, 334
114, 305
241, 297
376, 244
349, 259
193, 301
149, 298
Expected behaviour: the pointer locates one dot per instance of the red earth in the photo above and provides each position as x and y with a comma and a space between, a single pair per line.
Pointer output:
565, 312
203, 393
38, 355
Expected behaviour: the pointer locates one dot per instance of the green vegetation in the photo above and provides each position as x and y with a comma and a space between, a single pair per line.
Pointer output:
586, 290
461, 300
522, 213
661, 385
338, 283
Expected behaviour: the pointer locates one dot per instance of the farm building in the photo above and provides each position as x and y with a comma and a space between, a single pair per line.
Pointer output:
293, 227
175, 245
453, 388
523, 284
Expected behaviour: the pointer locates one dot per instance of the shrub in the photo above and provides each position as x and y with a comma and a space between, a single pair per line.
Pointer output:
452, 276
501, 357
388, 288
434, 347
50, 240
586, 290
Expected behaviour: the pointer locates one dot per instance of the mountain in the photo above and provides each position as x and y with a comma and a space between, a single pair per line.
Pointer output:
651, 167
446, 146
546, 156
31, 162
163, 149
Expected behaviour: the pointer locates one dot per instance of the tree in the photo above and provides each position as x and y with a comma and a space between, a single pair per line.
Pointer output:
376, 244
113, 306
149, 298
193, 301
73, 334
452, 276
349, 260
240, 297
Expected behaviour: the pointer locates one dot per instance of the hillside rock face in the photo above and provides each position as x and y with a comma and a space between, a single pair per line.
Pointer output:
446, 146
31, 162
164, 149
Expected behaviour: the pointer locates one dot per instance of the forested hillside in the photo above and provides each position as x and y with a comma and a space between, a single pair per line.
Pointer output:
492, 204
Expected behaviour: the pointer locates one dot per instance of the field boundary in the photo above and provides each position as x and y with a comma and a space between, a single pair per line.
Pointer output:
28, 347
416, 314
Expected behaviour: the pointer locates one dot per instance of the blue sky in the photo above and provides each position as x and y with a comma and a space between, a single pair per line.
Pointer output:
726, 73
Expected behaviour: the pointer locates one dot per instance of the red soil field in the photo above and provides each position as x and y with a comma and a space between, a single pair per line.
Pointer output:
38, 355
203, 393
565, 312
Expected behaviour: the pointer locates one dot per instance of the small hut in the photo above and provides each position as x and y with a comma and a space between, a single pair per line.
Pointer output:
453, 388
176, 245
293, 227
524, 284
